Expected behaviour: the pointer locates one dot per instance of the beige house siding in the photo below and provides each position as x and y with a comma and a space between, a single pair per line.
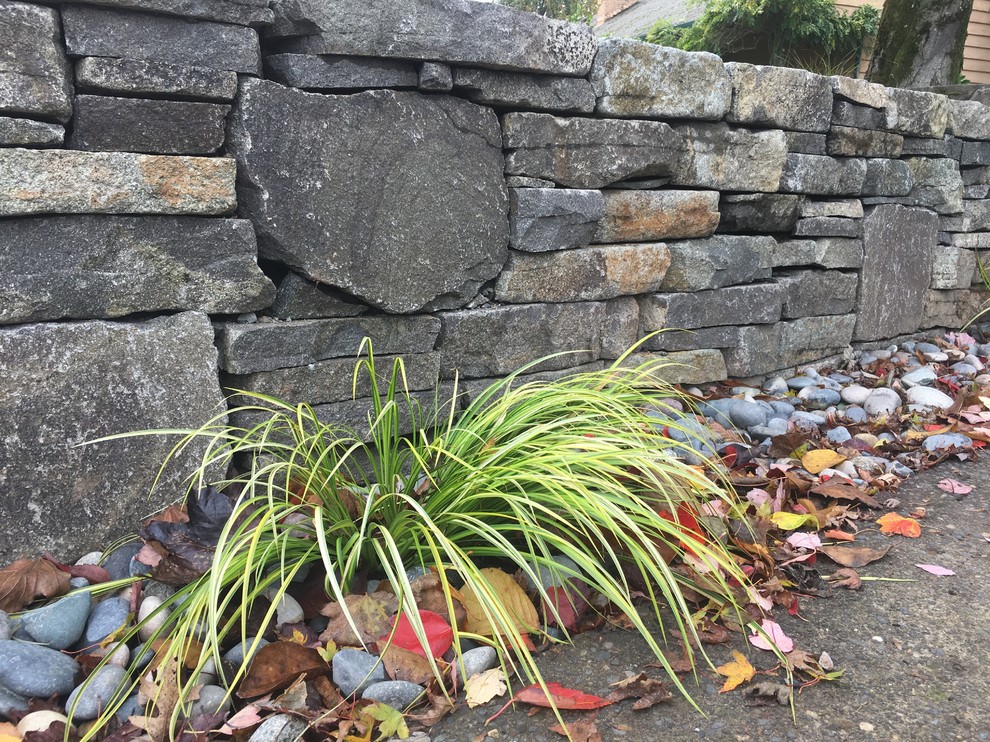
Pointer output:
976, 63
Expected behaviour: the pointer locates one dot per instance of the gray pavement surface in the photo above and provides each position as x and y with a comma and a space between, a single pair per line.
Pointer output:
916, 654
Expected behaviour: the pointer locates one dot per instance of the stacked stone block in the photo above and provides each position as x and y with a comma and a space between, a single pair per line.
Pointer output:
471, 187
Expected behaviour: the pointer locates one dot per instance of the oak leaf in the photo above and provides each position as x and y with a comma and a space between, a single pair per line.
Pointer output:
27, 579
737, 672
484, 686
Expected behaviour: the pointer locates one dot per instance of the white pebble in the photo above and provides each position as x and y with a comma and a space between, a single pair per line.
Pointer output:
148, 606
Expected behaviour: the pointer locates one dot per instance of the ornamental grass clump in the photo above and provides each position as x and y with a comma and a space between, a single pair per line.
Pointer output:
526, 473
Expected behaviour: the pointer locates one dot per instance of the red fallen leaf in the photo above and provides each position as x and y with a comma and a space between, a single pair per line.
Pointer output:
554, 695
894, 524
690, 530
837, 535
569, 604
94, 573
439, 635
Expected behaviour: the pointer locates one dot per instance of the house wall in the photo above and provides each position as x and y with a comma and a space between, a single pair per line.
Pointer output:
199, 197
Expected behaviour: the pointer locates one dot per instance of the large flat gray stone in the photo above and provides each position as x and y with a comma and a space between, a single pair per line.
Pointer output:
860, 91
721, 260
726, 336
719, 157
753, 304
844, 141
92, 31
100, 267
332, 380
952, 309
312, 72
887, 178
70, 182
766, 348
35, 79
937, 185
584, 274
634, 79
916, 113
543, 219
953, 268
587, 153
757, 97
812, 293
642, 216
67, 384
448, 30
139, 77
238, 12
759, 212
166, 127
265, 346
374, 204
897, 270
496, 341
518, 90
823, 176
298, 298
970, 119
16, 132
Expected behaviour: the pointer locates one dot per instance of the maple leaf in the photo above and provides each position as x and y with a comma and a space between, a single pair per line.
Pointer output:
27, 579
894, 524
391, 722
484, 686
738, 671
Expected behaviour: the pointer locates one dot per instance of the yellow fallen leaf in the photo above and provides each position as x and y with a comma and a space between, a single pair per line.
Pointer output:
738, 671
920, 435
789, 521
484, 686
508, 599
821, 459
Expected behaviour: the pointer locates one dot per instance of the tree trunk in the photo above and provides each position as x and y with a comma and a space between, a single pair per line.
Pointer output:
920, 43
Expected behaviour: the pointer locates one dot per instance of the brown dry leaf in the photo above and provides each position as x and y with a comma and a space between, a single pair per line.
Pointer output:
295, 698
277, 665
853, 556
439, 706
840, 489
329, 693
171, 514
768, 694
8, 732
512, 598
371, 615
27, 579
649, 691
583, 730
404, 664
482, 687
847, 578
798, 659
163, 691
429, 596
820, 459
738, 671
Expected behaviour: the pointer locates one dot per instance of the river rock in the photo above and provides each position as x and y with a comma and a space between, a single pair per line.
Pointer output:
944, 441
355, 670
926, 398
745, 414
336, 223
106, 618
816, 398
280, 728
478, 660
399, 694
10, 702
921, 376
60, 624
854, 394
89, 700
236, 654
34, 671
212, 700
882, 402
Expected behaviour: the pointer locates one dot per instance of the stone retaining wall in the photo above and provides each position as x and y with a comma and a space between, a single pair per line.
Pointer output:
470, 186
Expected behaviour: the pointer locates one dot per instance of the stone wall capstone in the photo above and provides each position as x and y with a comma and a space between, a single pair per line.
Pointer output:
209, 195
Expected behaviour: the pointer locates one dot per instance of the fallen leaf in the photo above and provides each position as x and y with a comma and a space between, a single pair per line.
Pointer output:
955, 487
92, 573
837, 535
804, 540
505, 592
841, 489
768, 694
277, 665
570, 605
771, 633
439, 635
391, 722
893, 524
847, 578
403, 664
27, 579
935, 569
428, 594
790, 521
820, 459
371, 615
738, 671
482, 687
555, 695
854, 556
161, 691
8, 732
649, 691
438, 707
246, 718
582, 730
